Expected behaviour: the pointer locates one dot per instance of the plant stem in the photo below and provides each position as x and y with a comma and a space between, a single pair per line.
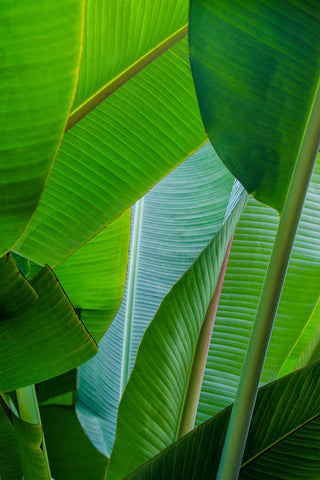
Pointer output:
201, 354
246, 395
29, 412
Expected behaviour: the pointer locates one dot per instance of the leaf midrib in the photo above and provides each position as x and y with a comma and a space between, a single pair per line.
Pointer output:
110, 87
279, 441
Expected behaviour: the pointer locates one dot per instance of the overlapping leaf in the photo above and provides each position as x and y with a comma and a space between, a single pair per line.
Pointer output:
256, 68
170, 227
115, 155
283, 442
40, 50
71, 455
45, 341
244, 277
151, 407
10, 464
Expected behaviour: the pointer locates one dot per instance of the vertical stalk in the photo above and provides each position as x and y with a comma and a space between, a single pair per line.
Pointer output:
245, 399
201, 354
29, 412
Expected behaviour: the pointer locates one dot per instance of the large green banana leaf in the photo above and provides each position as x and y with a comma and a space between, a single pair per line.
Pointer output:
121, 38
44, 341
240, 293
170, 227
115, 155
40, 49
152, 406
283, 442
256, 68
71, 454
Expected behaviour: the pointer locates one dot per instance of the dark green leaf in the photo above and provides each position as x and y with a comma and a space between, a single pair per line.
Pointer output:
256, 69
71, 455
45, 341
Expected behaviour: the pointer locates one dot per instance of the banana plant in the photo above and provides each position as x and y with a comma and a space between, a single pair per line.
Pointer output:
98, 105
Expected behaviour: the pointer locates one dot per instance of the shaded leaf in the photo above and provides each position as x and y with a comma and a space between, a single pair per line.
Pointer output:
10, 465
45, 341
71, 455
265, 59
16, 293
29, 437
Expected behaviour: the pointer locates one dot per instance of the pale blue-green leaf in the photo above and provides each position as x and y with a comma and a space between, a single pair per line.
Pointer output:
151, 409
176, 220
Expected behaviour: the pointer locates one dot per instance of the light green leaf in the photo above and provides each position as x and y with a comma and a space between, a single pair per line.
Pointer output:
120, 40
256, 70
244, 277
45, 341
152, 404
40, 50
170, 227
71, 455
115, 155
283, 442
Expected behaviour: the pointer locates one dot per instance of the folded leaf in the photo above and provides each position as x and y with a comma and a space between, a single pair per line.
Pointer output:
45, 341
256, 68
40, 50
16, 293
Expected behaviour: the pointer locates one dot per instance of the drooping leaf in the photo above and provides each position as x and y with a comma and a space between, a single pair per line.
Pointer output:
45, 341
71, 454
244, 277
94, 276
16, 293
283, 442
10, 464
170, 227
115, 155
40, 50
150, 410
256, 69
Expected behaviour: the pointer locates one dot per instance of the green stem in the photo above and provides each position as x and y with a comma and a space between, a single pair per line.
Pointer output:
245, 399
201, 354
29, 412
